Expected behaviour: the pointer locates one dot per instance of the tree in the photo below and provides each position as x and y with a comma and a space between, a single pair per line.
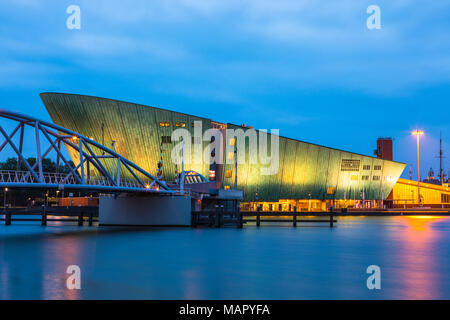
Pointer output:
48, 165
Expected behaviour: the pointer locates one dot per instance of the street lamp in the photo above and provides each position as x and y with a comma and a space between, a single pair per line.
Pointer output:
418, 133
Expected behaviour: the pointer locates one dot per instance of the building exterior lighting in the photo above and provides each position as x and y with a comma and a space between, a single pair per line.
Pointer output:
147, 186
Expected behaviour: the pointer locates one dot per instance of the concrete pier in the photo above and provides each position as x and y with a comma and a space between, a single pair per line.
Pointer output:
145, 210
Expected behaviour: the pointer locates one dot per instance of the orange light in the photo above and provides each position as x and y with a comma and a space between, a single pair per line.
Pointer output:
417, 133
147, 186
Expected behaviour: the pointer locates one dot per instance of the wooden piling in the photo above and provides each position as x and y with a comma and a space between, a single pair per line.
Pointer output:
240, 220
7, 216
331, 217
294, 217
80, 219
258, 216
44, 215
91, 217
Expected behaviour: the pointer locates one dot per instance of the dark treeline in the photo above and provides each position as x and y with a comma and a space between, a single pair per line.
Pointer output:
48, 165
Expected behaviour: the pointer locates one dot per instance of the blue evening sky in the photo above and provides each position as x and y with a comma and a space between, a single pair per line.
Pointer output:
308, 67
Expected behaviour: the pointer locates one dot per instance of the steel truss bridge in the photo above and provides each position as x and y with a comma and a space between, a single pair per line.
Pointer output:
98, 168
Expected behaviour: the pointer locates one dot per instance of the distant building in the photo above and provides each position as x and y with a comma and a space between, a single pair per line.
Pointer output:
430, 178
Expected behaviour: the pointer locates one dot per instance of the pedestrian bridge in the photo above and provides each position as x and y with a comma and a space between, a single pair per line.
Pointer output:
98, 168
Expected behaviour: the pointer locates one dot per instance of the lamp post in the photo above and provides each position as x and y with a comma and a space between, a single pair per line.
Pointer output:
418, 133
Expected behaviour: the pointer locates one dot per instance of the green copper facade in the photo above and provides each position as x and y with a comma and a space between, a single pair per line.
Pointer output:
305, 170
135, 128
308, 171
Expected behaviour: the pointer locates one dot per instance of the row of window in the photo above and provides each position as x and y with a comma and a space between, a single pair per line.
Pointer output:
194, 140
366, 178
177, 124
353, 165
445, 198
367, 167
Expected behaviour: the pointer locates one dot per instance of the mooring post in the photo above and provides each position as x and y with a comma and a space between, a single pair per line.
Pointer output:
239, 216
7, 216
80, 219
294, 218
193, 214
331, 217
91, 218
44, 215
218, 210
258, 216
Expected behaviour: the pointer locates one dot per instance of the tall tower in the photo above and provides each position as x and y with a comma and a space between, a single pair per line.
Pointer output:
441, 156
384, 149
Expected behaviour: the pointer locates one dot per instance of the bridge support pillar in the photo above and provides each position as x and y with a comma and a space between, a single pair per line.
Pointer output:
145, 210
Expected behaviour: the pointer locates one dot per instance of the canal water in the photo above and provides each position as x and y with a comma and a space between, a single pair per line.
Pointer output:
270, 262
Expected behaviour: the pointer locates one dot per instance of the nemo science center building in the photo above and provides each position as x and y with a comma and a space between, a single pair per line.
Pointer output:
307, 176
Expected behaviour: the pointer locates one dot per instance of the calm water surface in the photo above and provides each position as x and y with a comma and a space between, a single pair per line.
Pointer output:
270, 262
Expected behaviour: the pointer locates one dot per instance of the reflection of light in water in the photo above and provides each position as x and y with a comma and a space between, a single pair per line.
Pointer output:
57, 254
417, 270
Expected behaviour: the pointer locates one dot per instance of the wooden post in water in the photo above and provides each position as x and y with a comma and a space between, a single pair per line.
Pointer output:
91, 217
331, 217
294, 218
7, 216
239, 218
258, 216
80, 219
44, 215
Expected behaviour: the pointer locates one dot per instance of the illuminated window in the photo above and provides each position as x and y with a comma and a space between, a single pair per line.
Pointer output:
161, 124
180, 124
230, 155
226, 188
232, 141
212, 175
167, 124
228, 174
350, 165
376, 178
354, 178
177, 124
